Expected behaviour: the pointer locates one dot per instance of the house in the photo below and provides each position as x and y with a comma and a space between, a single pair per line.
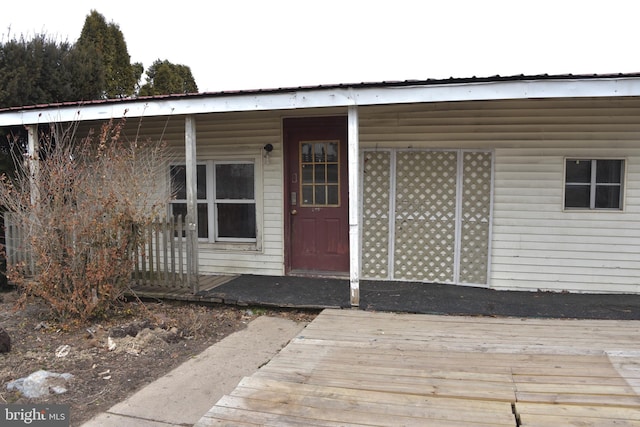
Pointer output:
522, 183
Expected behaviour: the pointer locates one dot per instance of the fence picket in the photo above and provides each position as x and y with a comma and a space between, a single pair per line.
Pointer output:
163, 260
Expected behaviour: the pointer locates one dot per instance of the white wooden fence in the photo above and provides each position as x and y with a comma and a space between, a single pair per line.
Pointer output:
168, 258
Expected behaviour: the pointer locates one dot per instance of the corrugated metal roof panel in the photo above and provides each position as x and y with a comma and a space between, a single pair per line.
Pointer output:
406, 83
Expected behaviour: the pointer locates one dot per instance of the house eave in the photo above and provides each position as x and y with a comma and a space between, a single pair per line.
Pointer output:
330, 96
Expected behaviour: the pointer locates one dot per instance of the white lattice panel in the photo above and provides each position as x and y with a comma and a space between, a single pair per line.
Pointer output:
425, 215
475, 217
375, 212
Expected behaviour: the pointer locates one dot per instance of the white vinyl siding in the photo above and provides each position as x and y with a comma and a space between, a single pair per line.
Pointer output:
536, 244
234, 137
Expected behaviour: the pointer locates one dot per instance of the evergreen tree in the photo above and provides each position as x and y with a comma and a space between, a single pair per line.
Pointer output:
107, 43
165, 78
43, 71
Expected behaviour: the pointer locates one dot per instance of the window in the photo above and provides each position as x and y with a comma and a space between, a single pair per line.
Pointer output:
593, 184
235, 203
179, 192
319, 168
226, 199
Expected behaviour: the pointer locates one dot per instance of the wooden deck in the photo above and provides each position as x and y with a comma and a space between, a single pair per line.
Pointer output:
181, 293
351, 367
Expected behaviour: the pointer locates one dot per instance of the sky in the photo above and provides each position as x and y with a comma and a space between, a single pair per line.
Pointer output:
265, 44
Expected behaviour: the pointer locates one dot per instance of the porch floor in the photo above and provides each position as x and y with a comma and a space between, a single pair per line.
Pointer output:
353, 367
425, 298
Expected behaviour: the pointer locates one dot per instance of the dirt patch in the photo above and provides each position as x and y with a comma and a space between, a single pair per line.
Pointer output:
113, 358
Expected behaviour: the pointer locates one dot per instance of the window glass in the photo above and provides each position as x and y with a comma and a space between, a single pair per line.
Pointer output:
320, 198
229, 211
608, 171
577, 196
179, 182
332, 195
306, 152
320, 173
607, 197
201, 171
307, 174
307, 194
237, 220
319, 152
319, 170
579, 171
234, 181
203, 223
332, 174
585, 189
332, 152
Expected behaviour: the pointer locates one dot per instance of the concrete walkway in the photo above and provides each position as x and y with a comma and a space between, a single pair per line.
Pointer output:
184, 395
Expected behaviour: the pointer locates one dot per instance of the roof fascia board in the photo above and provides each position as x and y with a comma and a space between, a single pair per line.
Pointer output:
330, 97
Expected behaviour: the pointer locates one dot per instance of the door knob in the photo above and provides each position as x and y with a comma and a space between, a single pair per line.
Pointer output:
294, 212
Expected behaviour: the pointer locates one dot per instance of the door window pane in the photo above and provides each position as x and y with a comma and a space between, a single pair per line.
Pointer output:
319, 152
321, 198
307, 194
332, 152
332, 195
319, 166
307, 174
320, 176
332, 174
305, 152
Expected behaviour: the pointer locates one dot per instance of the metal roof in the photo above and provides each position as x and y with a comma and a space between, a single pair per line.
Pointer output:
382, 84
333, 95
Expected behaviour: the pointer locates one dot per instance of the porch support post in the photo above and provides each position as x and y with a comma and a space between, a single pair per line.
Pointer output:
192, 202
354, 205
33, 152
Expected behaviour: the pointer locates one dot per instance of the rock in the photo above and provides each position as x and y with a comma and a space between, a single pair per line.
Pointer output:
63, 351
5, 341
132, 329
41, 325
40, 383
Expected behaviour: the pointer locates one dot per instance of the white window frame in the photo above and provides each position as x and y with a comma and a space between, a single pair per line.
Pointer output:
593, 184
212, 202
213, 213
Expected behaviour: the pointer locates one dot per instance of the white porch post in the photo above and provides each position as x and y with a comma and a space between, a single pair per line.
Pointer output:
192, 202
33, 153
354, 205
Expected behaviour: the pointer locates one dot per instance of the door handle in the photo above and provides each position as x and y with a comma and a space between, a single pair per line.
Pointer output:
294, 212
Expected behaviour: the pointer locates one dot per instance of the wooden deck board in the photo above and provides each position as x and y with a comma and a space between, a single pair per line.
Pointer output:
181, 293
350, 367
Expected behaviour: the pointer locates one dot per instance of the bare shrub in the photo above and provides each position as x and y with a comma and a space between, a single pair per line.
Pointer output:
83, 208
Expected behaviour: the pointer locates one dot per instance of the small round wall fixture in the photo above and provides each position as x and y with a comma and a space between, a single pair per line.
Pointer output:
268, 148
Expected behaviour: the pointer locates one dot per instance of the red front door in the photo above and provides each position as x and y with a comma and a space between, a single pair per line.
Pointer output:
316, 195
